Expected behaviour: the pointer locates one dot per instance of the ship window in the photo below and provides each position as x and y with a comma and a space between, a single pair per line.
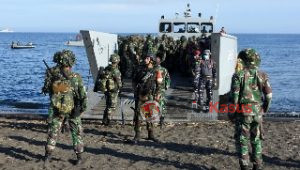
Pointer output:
179, 27
206, 27
193, 28
165, 27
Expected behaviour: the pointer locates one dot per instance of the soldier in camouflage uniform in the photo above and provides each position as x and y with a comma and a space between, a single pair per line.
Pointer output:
251, 88
68, 100
109, 82
46, 90
163, 81
205, 79
144, 87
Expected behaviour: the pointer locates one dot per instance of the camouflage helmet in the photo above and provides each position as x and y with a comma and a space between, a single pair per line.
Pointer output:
250, 58
114, 58
149, 37
56, 57
67, 58
183, 38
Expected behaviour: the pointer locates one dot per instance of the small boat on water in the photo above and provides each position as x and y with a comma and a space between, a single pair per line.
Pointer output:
20, 46
78, 42
6, 30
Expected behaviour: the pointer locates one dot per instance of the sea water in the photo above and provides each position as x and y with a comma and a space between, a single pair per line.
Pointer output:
22, 71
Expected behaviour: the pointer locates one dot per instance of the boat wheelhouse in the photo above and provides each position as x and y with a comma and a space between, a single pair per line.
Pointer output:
187, 25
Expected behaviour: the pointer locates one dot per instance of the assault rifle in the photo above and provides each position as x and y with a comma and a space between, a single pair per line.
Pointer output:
45, 89
48, 68
77, 108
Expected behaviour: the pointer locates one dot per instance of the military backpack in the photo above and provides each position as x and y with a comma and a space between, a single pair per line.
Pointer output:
62, 98
106, 81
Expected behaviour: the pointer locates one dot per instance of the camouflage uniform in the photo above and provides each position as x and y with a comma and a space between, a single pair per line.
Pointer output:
251, 87
163, 81
68, 101
144, 87
205, 79
110, 80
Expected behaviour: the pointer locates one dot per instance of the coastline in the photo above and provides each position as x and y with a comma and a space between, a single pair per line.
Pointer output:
203, 145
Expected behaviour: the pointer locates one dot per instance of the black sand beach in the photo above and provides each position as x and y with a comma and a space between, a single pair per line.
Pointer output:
182, 146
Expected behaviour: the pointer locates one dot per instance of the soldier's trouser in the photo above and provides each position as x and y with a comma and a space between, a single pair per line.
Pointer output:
76, 132
196, 86
205, 83
50, 114
137, 122
129, 67
111, 103
162, 103
250, 130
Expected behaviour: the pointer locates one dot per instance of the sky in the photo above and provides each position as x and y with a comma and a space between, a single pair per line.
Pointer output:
141, 16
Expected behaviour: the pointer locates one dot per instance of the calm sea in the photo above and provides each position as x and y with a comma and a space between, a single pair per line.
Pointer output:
22, 71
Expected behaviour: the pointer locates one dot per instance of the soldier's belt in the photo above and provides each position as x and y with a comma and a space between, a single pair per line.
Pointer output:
206, 76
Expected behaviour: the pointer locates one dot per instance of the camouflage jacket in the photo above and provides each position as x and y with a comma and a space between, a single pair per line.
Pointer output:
162, 79
143, 81
252, 87
205, 68
80, 94
77, 86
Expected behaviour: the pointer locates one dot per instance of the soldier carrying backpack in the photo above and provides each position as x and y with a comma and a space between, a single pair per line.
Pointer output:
109, 82
67, 100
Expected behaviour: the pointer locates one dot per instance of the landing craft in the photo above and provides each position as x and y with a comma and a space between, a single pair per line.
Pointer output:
99, 46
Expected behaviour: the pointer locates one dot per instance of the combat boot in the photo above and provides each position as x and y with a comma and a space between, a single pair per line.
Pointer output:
137, 137
79, 159
245, 167
151, 136
257, 167
106, 122
47, 157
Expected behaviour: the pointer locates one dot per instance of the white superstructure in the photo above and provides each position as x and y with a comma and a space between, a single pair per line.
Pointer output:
187, 25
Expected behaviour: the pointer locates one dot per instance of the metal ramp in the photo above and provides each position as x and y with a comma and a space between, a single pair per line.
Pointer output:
180, 107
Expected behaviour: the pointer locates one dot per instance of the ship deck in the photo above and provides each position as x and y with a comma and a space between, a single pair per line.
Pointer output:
179, 103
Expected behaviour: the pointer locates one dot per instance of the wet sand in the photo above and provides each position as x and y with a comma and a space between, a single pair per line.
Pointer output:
182, 146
